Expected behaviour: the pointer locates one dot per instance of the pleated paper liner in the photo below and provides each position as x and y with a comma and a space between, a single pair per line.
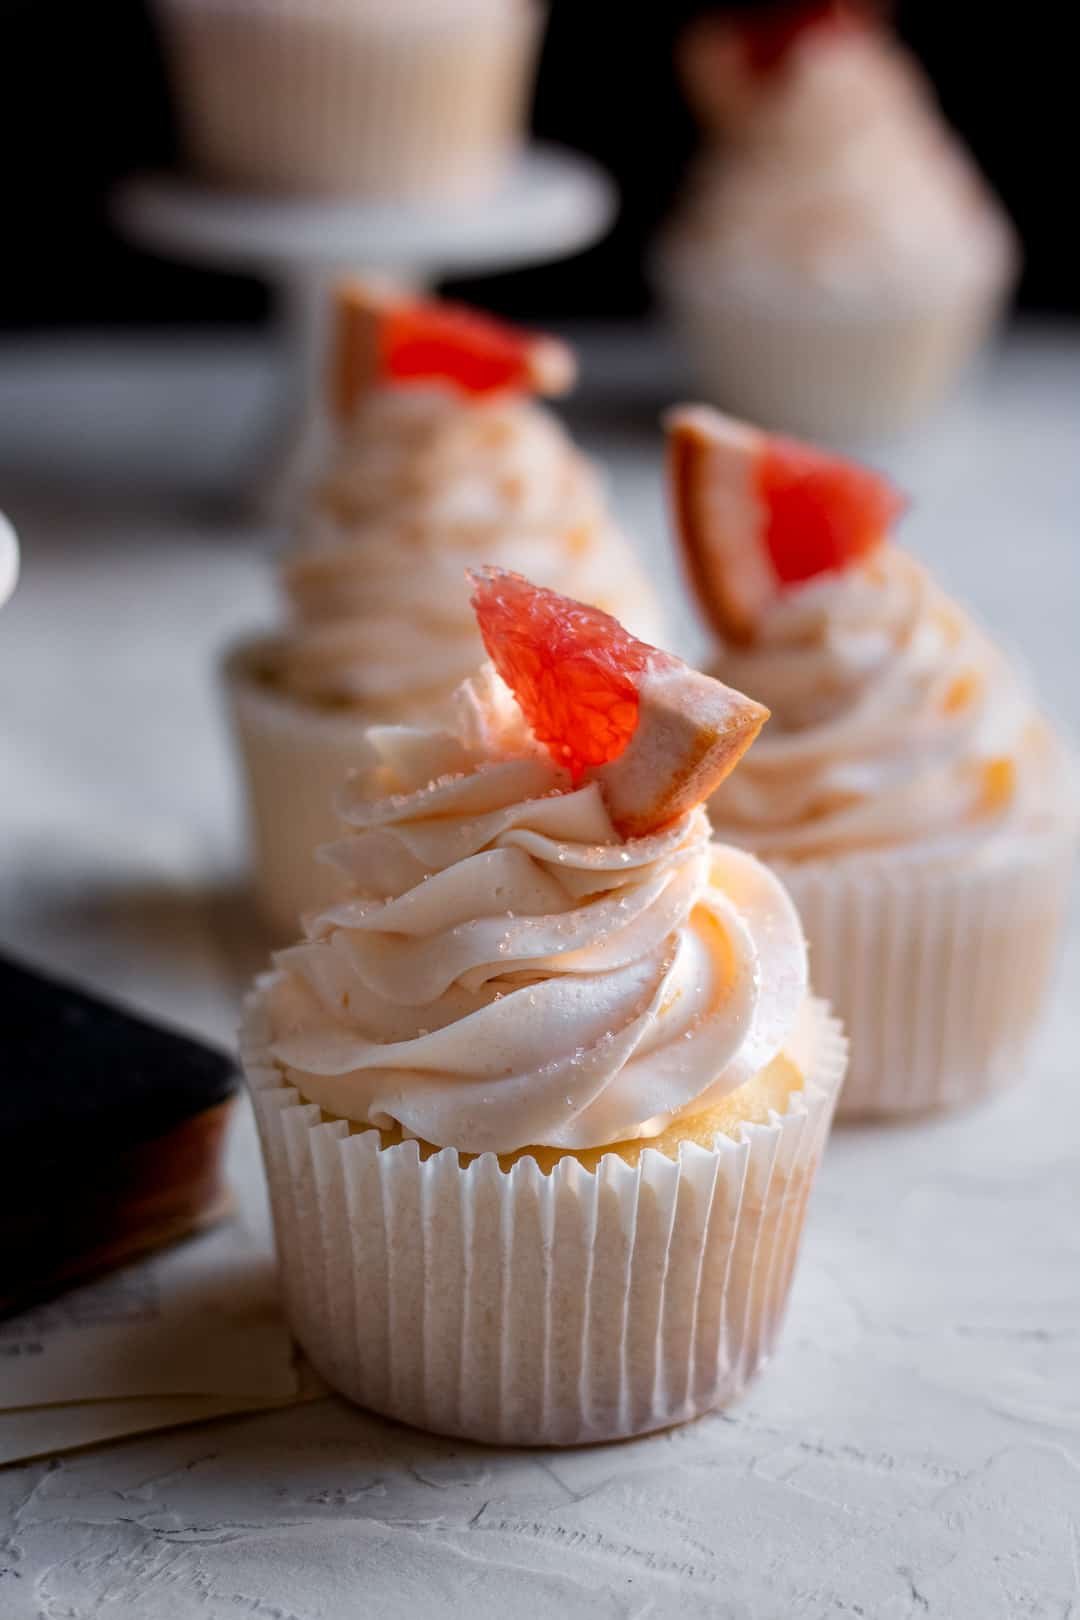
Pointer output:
332, 97
938, 969
294, 758
522, 1308
843, 375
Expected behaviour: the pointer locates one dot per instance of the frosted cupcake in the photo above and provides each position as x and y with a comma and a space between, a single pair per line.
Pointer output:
916, 803
542, 1097
838, 258
443, 459
422, 99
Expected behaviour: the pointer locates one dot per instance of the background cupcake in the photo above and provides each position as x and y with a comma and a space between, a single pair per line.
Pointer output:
837, 258
442, 461
915, 801
422, 98
541, 1103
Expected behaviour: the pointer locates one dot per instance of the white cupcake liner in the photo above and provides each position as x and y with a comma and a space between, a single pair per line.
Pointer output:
823, 372
521, 1308
295, 757
939, 970
372, 101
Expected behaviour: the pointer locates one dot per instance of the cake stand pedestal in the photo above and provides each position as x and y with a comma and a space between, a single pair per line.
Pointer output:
553, 203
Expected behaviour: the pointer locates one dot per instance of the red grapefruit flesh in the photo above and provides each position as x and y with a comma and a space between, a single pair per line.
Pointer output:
727, 62
658, 736
386, 336
768, 39
758, 513
573, 669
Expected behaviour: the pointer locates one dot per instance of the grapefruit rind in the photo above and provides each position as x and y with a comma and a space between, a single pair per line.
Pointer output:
692, 731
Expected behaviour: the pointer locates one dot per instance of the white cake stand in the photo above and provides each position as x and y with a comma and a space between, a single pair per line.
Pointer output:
553, 203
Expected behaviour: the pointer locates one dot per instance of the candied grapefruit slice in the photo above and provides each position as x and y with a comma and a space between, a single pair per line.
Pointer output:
728, 62
768, 38
385, 335
658, 736
758, 513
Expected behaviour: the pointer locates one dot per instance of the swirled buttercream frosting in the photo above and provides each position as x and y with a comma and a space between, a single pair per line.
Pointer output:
894, 719
424, 486
506, 971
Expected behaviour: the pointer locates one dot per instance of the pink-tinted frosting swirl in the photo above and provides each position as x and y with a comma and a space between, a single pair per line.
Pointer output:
424, 486
895, 720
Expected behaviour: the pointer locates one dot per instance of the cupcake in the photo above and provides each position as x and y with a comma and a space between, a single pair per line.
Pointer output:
914, 800
542, 1096
423, 99
837, 258
443, 459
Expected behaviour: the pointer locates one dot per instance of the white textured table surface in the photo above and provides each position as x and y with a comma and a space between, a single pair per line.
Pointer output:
914, 1450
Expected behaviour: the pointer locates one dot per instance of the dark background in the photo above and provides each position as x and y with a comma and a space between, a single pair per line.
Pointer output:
85, 101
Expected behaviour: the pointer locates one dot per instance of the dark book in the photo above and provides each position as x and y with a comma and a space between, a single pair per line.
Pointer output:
112, 1134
